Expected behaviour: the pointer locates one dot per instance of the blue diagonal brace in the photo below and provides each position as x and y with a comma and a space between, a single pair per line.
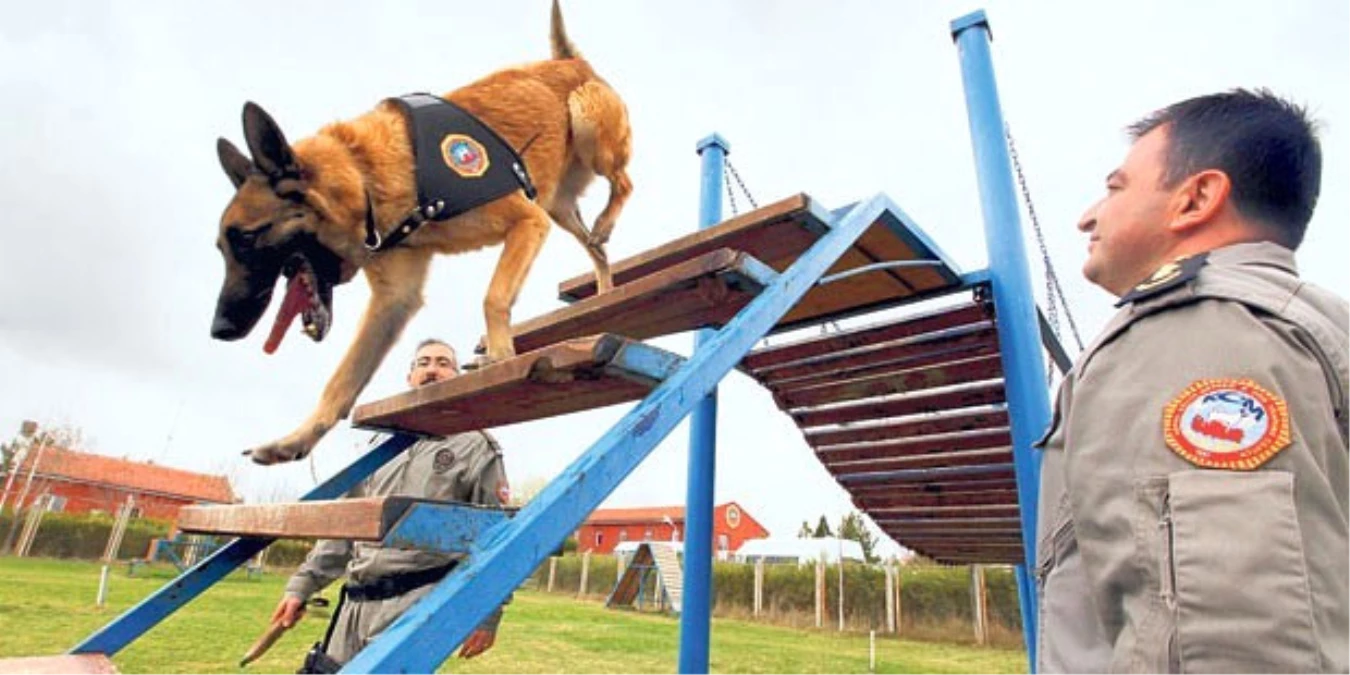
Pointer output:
134, 622
444, 528
425, 635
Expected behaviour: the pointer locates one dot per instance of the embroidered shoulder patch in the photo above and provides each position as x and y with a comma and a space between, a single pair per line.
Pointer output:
1167, 277
1226, 424
464, 155
444, 459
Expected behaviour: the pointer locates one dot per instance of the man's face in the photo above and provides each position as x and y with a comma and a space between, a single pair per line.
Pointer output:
1128, 238
432, 363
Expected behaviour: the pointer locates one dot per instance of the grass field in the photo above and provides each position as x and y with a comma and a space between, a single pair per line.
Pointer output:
46, 606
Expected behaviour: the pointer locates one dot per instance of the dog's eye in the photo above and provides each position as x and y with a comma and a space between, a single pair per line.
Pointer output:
243, 240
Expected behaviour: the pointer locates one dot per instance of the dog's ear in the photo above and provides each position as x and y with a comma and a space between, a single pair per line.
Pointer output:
236, 165
271, 153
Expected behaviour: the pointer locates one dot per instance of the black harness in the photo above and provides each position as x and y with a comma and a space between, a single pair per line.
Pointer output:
461, 164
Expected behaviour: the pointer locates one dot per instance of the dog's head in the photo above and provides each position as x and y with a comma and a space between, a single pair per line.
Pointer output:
273, 227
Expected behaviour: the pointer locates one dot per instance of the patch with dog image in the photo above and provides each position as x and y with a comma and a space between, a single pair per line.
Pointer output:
1226, 423
464, 155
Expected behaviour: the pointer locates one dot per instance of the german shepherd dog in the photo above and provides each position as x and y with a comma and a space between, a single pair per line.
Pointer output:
301, 210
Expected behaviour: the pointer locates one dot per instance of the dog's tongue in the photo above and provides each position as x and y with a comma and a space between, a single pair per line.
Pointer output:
297, 298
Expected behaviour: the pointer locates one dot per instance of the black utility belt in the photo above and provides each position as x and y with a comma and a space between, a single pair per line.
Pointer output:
393, 586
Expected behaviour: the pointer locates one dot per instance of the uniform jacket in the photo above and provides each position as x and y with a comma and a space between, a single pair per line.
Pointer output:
1193, 513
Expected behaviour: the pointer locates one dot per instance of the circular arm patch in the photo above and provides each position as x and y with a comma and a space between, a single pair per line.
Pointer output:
1226, 423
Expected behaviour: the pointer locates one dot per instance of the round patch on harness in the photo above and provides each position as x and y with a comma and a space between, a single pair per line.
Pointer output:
464, 155
504, 492
1226, 424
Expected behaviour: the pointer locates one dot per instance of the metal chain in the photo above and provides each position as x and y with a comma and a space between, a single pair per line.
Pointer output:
736, 176
731, 199
1053, 290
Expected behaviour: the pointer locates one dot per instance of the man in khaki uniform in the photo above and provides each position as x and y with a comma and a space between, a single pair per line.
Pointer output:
383, 583
1193, 513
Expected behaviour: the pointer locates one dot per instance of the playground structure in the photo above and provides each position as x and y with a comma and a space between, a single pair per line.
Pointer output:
654, 566
927, 420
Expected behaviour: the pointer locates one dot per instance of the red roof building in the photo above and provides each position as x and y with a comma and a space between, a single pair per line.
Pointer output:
607, 528
82, 482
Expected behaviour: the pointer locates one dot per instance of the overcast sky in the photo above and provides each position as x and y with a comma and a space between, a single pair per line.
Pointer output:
111, 190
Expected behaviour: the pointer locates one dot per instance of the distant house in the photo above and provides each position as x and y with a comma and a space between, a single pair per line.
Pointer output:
81, 482
607, 528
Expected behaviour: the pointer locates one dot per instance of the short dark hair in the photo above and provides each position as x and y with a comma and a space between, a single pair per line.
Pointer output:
1267, 145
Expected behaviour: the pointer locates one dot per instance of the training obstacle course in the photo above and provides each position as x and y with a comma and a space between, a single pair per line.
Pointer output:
927, 420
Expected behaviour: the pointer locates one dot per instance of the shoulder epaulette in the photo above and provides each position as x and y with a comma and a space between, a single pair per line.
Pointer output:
1167, 277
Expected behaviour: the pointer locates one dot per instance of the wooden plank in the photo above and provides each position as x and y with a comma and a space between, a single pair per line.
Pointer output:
967, 542
778, 234
65, 663
945, 374
1010, 533
700, 292
908, 327
771, 233
938, 512
974, 458
914, 524
1003, 480
563, 378
947, 345
919, 499
959, 420
916, 447
363, 519
985, 393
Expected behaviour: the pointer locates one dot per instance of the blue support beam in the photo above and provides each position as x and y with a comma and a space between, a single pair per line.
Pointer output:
695, 629
1010, 281
425, 635
134, 622
444, 528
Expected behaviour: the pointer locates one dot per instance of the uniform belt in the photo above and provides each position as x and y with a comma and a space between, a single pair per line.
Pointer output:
395, 585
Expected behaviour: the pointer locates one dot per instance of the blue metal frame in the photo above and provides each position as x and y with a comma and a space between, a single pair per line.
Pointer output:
444, 528
695, 625
134, 622
1010, 281
426, 634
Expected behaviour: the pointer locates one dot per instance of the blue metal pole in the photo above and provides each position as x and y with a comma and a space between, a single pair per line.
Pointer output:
696, 607
1010, 279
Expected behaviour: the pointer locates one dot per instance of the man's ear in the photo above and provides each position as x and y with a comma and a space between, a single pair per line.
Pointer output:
1199, 199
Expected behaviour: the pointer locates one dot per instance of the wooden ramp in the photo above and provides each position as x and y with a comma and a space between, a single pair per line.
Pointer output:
395, 522
778, 234
650, 559
910, 417
575, 375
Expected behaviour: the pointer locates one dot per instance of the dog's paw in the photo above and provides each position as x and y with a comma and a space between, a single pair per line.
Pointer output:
286, 450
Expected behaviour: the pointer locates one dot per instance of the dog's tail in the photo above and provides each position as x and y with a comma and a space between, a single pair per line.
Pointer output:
557, 37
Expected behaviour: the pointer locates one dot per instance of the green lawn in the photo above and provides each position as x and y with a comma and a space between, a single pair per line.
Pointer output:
46, 606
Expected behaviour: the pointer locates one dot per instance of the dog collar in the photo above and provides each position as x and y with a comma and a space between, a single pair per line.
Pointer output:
460, 162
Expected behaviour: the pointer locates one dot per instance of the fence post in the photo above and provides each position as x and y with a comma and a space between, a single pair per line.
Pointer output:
759, 586
552, 571
585, 572
979, 608
899, 606
841, 593
890, 598
820, 592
